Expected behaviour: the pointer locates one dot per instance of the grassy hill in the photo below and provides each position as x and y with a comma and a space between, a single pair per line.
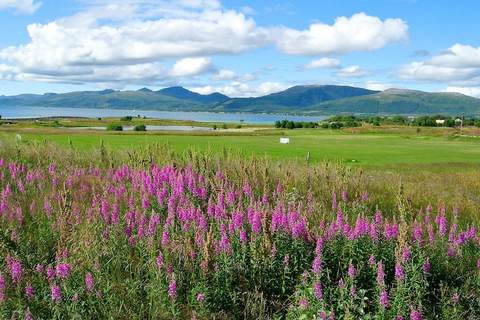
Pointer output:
296, 98
326, 100
395, 101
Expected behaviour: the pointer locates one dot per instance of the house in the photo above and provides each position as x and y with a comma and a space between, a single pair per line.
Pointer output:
440, 121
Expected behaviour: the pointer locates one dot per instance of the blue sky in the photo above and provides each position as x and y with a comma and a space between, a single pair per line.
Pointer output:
240, 48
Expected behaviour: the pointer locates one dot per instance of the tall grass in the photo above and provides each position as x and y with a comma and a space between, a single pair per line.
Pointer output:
154, 234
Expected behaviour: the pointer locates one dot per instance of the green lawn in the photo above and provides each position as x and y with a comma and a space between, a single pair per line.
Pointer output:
369, 150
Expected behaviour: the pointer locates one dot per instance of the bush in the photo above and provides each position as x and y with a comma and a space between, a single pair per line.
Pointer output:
114, 127
127, 118
140, 127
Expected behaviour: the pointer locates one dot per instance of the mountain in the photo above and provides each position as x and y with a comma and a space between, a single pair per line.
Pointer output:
401, 101
144, 98
314, 100
184, 94
298, 98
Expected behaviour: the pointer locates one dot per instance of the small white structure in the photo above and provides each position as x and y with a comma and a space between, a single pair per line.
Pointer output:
284, 140
440, 121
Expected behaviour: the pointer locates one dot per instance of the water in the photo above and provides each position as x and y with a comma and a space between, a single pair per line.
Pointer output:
254, 118
151, 128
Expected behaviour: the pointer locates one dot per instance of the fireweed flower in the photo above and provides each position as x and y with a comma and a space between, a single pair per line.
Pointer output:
371, 260
172, 289
63, 271
165, 238
384, 299
317, 290
405, 254
303, 303
415, 315
442, 224
89, 284
200, 297
399, 273
15, 270
50, 273
159, 260
3, 286
426, 266
29, 292
352, 272
380, 274
28, 315
56, 293
317, 265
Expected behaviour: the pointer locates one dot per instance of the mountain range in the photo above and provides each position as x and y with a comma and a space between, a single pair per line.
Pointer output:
311, 99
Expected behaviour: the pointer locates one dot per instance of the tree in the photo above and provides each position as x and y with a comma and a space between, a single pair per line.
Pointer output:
140, 127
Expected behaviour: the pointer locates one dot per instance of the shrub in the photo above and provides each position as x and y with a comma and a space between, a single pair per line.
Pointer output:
114, 127
126, 118
140, 127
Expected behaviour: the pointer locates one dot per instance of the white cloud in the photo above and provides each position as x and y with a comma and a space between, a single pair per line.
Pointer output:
323, 63
377, 86
360, 32
240, 89
469, 91
21, 6
352, 72
229, 75
86, 43
190, 67
127, 38
459, 64
225, 74
424, 71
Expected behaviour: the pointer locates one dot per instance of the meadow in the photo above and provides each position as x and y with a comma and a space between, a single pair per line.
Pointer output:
233, 225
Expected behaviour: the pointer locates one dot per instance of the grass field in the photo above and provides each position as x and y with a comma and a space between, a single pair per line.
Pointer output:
364, 149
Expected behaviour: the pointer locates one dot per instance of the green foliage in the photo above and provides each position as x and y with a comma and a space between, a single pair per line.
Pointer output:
114, 127
286, 124
140, 127
126, 118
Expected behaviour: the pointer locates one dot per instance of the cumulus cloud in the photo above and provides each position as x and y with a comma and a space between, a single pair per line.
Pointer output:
352, 72
133, 40
459, 64
225, 74
359, 32
21, 6
323, 63
469, 91
190, 67
85, 44
241, 89
377, 86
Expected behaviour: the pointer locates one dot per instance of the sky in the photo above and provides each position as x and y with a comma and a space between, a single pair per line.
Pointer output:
239, 48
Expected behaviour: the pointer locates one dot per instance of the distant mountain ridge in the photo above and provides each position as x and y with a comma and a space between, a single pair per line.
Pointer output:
182, 93
309, 99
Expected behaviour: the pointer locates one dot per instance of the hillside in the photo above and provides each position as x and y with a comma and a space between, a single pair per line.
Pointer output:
326, 100
184, 94
296, 98
396, 101
144, 98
